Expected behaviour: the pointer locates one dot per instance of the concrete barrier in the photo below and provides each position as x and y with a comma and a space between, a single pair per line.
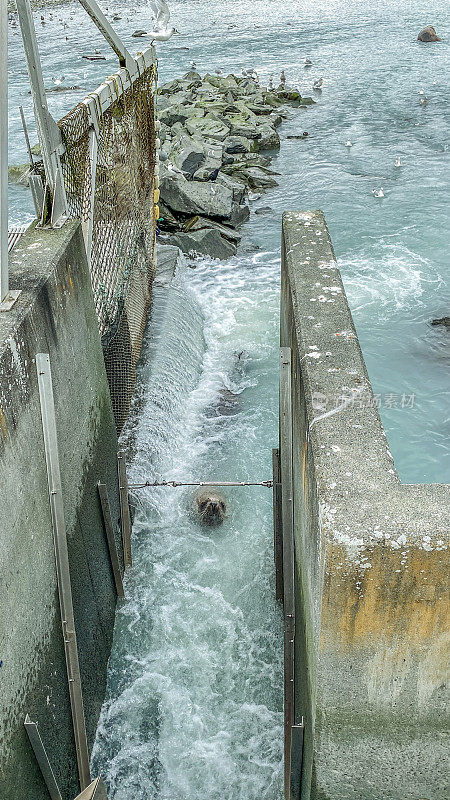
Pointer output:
371, 636
55, 314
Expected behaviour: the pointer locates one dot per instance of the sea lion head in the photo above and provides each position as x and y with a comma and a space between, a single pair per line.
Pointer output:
210, 507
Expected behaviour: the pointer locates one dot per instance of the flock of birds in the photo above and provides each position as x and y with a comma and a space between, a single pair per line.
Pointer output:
163, 31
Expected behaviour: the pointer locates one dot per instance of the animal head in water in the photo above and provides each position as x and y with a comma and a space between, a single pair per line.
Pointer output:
210, 506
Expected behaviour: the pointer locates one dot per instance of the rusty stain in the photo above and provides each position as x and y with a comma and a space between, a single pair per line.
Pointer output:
3, 424
386, 601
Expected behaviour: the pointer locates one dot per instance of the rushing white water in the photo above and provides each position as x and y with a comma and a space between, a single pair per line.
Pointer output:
195, 679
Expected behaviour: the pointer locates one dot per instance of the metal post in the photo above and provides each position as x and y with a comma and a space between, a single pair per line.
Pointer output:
91, 176
107, 521
62, 564
42, 758
296, 760
7, 296
277, 526
50, 139
287, 494
124, 509
4, 278
99, 19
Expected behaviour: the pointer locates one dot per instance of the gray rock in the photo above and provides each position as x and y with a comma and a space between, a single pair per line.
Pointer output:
270, 139
188, 156
192, 197
237, 144
207, 242
239, 215
173, 114
445, 321
201, 223
208, 128
237, 187
428, 35
264, 210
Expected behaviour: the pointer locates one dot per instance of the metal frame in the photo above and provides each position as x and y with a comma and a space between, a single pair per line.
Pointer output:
49, 134
62, 564
277, 526
287, 495
109, 530
124, 509
99, 19
296, 760
42, 758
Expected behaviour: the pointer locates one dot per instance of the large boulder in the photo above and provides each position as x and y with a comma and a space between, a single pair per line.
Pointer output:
428, 35
238, 144
188, 155
192, 197
207, 242
201, 223
208, 128
237, 187
239, 215
269, 138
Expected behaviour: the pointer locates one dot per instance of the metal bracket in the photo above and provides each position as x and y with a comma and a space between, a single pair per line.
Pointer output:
277, 526
109, 530
42, 758
95, 791
59, 202
124, 509
99, 19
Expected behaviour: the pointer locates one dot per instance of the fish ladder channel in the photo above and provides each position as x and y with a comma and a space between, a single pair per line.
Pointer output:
194, 705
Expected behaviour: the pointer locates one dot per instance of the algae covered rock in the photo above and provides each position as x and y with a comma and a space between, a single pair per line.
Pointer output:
428, 34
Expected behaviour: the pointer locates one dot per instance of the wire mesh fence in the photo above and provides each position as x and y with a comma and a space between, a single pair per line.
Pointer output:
115, 201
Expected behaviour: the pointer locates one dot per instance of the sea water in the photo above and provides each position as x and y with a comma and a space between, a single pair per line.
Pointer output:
194, 704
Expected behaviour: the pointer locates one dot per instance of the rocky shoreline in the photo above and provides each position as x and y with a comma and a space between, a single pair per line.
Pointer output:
215, 139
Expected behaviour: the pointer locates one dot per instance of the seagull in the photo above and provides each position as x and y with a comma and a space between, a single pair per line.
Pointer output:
308, 62
398, 162
421, 91
282, 78
270, 82
435, 83
58, 81
348, 143
193, 64
253, 196
218, 71
161, 31
423, 100
378, 192
318, 84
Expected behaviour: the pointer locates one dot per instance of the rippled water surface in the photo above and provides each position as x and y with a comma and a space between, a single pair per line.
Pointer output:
194, 692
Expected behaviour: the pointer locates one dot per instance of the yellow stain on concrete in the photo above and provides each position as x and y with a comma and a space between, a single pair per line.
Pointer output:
3, 424
388, 601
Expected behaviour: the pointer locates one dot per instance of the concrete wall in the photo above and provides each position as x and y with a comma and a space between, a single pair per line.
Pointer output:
54, 314
371, 602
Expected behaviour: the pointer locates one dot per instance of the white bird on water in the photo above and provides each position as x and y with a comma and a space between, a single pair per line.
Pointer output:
398, 162
58, 81
348, 143
161, 31
318, 84
308, 62
378, 192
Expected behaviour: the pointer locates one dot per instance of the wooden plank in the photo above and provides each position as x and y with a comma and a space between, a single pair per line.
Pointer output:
287, 495
42, 758
109, 530
62, 564
124, 509
277, 526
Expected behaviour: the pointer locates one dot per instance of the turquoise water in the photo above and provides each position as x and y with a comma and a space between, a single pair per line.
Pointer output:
393, 253
194, 700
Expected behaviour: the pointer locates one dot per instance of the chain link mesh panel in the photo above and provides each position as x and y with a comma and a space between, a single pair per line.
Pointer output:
123, 222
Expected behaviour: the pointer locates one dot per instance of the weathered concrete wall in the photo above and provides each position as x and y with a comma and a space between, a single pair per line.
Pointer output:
54, 314
371, 620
